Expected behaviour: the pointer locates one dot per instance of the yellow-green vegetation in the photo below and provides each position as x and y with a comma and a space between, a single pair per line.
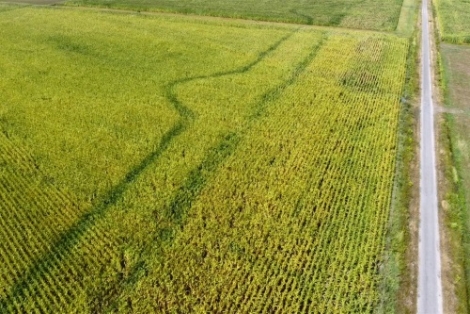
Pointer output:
453, 18
170, 164
362, 14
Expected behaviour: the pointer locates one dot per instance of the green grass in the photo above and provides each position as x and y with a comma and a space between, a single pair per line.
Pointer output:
176, 164
453, 18
408, 17
368, 14
455, 73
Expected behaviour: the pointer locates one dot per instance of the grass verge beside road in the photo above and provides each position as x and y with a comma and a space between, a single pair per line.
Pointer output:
455, 141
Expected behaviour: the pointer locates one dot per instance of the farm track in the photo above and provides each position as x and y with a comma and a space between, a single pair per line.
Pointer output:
60, 249
429, 278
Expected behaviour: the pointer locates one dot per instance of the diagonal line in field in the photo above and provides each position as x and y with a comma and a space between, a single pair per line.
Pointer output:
62, 248
187, 193
201, 174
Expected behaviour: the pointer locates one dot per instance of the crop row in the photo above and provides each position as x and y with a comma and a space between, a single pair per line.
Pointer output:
295, 219
274, 196
33, 213
90, 261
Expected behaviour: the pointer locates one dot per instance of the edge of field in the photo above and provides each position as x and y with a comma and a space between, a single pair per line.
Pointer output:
204, 19
407, 21
399, 272
452, 203
298, 20
453, 199
404, 27
460, 39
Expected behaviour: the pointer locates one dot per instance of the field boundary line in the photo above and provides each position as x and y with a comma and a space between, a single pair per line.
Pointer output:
202, 18
206, 18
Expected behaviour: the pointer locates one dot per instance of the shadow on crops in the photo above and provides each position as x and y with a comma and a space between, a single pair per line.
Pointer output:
199, 176
308, 19
62, 248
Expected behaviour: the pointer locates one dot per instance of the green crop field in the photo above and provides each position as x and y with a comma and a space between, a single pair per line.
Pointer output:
364, 14
453, 20
178, 164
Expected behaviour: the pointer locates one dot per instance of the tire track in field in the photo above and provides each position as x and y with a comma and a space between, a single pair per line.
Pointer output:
62, 248
195, 182
200, 175
308, 18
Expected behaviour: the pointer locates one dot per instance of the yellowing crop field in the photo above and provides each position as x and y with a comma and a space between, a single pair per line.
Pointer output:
177, 164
